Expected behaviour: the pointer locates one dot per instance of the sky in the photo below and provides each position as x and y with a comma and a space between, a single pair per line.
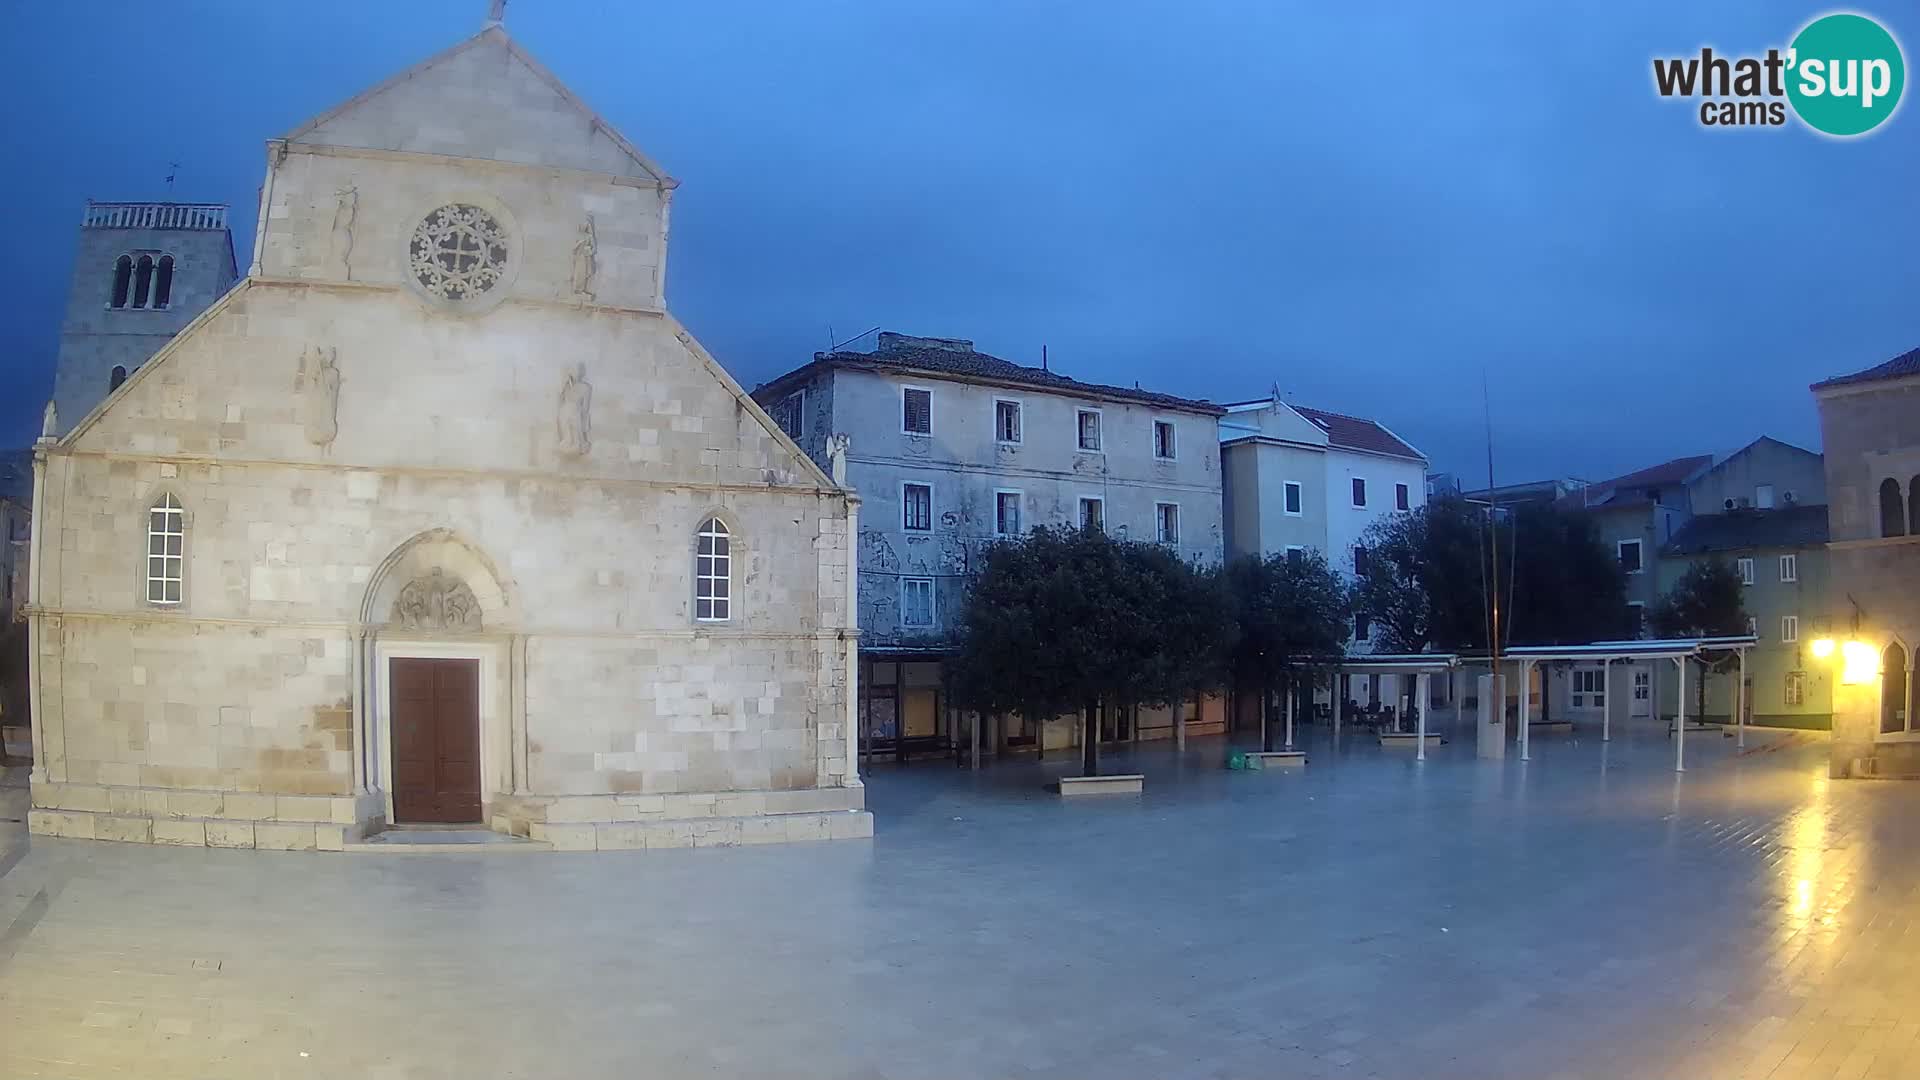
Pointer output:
1378, 208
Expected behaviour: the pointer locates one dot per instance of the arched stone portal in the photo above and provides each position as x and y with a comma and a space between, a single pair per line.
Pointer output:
438, 663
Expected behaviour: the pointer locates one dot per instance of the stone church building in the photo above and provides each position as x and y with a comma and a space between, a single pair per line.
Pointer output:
439, 517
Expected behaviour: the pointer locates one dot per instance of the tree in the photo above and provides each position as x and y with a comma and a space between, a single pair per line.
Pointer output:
1424, 583
1709, 600
1285, 609
1064, 619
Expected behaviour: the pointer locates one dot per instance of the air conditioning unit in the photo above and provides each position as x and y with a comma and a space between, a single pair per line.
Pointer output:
1789, 498
1728, 504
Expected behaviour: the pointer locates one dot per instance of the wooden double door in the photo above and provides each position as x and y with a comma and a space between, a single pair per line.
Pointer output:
436, 740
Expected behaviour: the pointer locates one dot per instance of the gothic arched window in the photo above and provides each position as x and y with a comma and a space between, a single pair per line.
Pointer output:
1893, 515
163, 282
166, 550
713, 572
122, 279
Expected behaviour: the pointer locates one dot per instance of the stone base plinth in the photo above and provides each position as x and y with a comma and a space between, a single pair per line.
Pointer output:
1117, 784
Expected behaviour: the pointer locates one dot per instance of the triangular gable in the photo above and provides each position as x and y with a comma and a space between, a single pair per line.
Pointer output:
147, 367
719, 372
484, 98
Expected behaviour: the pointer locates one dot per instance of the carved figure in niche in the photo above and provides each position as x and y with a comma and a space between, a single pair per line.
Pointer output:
574, 422
346, 204
320, 372
838, 444
437, 602
49, 422
584, 263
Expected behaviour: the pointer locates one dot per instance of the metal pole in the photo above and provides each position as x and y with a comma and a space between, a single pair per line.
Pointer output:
1740, 719
973, 725
1606, 701
1420, 688
1680, 720
1339, 700
1526, 694
1292, 692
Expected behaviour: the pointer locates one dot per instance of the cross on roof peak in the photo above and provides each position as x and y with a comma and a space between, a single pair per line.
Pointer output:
496, 12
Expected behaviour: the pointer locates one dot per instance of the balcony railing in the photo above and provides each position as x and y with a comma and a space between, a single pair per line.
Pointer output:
152, 215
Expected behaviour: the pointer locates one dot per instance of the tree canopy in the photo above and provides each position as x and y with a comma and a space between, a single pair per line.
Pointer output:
1284, 607
1424, 581
1063, 618
1708, 601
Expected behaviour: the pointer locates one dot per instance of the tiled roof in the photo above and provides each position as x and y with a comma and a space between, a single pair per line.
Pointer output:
1356, 433
1907, 363
1631, 489
1787, 526
959, 359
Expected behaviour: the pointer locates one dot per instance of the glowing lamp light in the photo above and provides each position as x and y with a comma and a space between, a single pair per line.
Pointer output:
1859, 663
1823, 647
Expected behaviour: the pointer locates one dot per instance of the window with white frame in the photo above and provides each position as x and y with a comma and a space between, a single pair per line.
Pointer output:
166, 550
1292, 503
1402, 498
713, 572
1796, 692
1642, 685
1296, 554
1163, 446
1006, 421
1629, 552
916, 602
1789, 568
1359, 491
1753, 626
916, 507
1088, 424
1006, 513
1637, 618
916, 411
1093, 513
790, 413
1167, 515
1359, 561
1745, 567
1789, 628
1589, 688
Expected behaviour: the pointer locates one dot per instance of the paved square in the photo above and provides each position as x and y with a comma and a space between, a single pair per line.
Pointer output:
1587, 914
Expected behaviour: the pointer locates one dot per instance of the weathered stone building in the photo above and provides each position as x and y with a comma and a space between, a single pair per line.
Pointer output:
1870, 426
438, 515
952, 449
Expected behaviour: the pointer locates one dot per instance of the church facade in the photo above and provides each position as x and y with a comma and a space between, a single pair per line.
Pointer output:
439, 517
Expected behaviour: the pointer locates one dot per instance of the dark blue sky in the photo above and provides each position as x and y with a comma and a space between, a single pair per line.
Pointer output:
1370, 205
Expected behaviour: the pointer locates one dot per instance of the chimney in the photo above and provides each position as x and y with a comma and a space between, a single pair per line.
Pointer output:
891, 342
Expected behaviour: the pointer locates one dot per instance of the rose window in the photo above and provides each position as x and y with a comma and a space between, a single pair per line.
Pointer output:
458, 252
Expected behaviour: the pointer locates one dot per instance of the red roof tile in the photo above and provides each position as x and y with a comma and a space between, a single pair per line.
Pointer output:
1355, 433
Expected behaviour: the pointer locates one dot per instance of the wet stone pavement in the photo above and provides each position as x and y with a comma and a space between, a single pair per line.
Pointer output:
1587, 914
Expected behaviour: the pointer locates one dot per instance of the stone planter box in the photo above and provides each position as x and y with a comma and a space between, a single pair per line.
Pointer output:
1117, 784
1276, 759
1564, 727
1410, 739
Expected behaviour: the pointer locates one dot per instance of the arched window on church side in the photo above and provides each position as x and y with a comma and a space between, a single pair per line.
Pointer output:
713, 572
163, 283
1893, 515
118, 376
166, 550
1893, 689
142, 280
122, 279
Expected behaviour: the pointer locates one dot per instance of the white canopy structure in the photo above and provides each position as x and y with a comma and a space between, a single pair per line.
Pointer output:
1678, 650
1421, 665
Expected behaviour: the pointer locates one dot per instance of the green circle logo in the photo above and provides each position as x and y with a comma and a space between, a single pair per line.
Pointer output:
1845, 74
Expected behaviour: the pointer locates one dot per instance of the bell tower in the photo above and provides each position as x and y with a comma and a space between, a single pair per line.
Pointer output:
142, 272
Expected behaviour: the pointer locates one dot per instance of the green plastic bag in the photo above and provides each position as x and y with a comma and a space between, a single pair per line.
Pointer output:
1237, 760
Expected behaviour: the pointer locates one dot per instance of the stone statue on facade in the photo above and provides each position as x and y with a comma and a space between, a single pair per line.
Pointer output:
50, 421
320, 370
585, 263
346, 205
838, 444
574, 422
438, 601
